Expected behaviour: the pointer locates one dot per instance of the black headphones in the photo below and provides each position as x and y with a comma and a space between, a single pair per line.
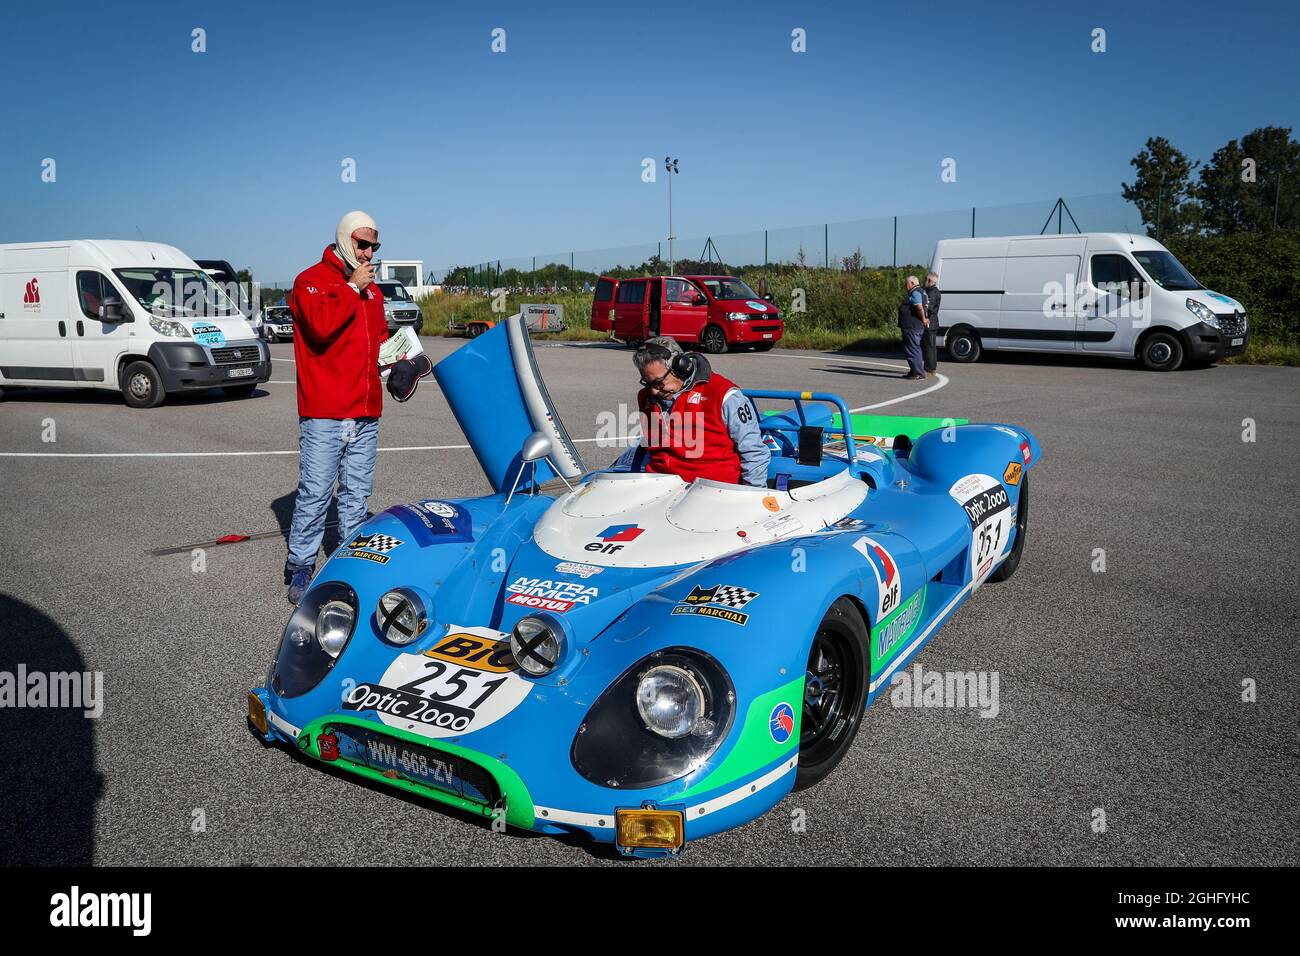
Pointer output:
684, 365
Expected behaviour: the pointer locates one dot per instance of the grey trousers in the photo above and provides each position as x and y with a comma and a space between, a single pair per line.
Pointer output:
912, 349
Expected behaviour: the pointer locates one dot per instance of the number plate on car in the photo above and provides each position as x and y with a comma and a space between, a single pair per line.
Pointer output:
1238, 341
767, 335
239, 373
434, 768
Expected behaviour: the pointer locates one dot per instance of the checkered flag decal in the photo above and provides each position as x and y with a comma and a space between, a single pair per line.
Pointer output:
380, 543
731, 596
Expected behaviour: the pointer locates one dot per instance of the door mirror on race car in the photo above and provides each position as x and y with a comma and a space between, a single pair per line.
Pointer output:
536, 447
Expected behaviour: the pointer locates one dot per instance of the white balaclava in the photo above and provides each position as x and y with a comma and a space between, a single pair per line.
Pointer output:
349, 224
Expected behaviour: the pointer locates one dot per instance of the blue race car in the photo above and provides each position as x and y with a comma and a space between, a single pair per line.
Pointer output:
625, 655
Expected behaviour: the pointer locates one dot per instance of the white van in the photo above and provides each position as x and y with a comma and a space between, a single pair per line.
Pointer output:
139, 317
1097, 293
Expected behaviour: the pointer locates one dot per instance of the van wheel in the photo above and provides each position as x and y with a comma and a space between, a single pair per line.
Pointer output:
963, 344
142, 386
834, 692
1161, 352
1008, 567
713, 340
239, 391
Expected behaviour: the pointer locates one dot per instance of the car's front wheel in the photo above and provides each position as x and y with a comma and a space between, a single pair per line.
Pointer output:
834, 692
713, 341
1161, 352
142, 386
1008, 567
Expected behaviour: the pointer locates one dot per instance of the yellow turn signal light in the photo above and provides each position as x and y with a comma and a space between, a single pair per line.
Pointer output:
650, 829
257, 713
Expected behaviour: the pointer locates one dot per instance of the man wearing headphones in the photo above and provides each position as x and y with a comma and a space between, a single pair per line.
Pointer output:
694, 423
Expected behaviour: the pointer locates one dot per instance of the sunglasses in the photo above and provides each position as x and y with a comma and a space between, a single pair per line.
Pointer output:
656, 382
363, 245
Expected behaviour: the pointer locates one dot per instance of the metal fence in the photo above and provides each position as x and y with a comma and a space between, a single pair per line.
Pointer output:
883, 241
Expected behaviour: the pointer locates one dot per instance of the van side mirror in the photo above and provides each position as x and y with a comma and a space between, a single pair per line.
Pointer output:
699, 299
769, 298
115, 310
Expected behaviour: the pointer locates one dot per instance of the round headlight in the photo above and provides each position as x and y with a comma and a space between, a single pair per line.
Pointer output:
670, 700
334, 626
401, 615
535, 646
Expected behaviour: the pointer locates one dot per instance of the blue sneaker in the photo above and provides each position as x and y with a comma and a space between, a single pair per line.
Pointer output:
299, 584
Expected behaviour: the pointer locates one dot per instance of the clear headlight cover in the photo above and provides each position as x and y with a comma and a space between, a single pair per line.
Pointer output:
169, 328
670, 700
1203, 312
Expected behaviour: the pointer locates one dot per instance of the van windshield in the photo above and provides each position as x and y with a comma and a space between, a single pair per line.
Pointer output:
177, 292
1166, 271
729, 289
394, 290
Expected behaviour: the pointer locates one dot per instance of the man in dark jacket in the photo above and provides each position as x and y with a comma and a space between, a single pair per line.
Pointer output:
338, 318
933, 297
912, 320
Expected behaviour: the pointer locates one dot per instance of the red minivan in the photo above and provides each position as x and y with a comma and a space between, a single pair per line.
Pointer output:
717, 312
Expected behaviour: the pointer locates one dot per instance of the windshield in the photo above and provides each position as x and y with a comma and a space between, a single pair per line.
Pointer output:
177, 292
728, 288
1166, 271
394, 290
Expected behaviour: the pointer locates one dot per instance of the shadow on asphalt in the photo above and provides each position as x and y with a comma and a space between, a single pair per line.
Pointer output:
102, 396
49, 785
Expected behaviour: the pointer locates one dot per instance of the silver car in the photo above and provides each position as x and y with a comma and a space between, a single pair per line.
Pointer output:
276, 323
399, 307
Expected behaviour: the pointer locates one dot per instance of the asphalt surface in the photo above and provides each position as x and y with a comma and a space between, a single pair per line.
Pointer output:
1120, 692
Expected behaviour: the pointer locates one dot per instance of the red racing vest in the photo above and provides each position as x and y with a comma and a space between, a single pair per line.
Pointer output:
692, 440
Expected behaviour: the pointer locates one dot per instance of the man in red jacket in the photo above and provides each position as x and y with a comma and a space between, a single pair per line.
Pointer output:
338, 317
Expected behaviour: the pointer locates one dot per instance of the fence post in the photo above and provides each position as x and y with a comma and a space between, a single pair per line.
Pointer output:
972, 222
826, 244
764, 250
895, 242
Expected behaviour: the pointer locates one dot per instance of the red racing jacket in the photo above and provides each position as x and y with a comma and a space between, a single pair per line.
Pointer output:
692, 440
336, 336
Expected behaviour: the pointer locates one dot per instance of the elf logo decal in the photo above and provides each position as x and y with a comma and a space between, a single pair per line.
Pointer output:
889, 582
32, 295
547, 595
614, 533
781, 722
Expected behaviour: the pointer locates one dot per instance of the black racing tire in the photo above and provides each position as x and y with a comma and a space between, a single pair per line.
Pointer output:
835, 692
142, 386
473, 330
713, 340
764, 346
239, 391
1008, 567
962, 343
1161, 352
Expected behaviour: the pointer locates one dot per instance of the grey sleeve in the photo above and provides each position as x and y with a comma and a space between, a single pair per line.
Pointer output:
741, 419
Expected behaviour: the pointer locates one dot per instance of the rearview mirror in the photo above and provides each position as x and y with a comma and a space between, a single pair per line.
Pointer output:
536, 447
115, 310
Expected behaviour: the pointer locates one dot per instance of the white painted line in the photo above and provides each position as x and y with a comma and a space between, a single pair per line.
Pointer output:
943, 380
239, 454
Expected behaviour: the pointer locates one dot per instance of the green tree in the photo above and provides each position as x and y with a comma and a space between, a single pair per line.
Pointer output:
1242, 181
1163, 190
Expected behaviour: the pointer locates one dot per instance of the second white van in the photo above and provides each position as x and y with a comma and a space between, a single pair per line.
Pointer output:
1095, 293
138, 317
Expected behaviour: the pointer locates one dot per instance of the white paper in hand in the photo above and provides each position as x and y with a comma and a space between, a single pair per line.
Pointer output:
402, 344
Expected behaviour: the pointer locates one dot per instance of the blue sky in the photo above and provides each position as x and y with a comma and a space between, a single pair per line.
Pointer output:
464, 155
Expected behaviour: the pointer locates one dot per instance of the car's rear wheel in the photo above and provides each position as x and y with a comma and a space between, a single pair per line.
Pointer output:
962, 343
835, 692
713, 340
1008, 567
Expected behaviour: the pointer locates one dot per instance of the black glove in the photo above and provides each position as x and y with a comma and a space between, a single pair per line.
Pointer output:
406, 374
